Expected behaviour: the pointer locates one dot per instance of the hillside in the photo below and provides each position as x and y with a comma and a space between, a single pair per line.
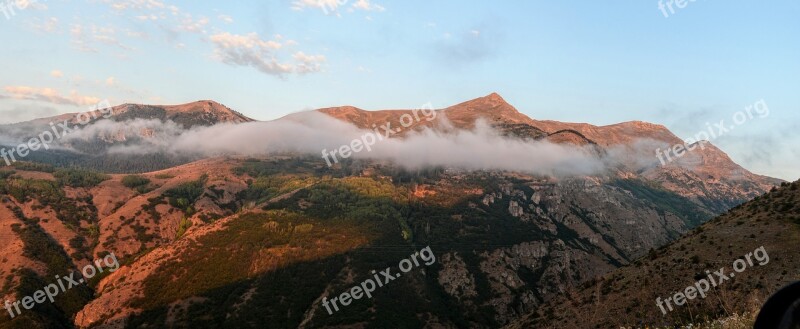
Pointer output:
771, 221
503, 240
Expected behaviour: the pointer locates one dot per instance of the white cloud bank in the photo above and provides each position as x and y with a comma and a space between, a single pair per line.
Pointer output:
311, 132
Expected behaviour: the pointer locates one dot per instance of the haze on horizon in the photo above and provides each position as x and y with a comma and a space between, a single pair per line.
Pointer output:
599, 63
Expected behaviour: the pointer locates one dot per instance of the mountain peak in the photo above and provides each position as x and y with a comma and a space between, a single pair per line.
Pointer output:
494, 97
199, 106
493, 100
492, 107
202, 112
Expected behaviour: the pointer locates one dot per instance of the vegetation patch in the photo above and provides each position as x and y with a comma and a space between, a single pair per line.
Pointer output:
79, 177
33, 166
5, 174
138, 183
184, 195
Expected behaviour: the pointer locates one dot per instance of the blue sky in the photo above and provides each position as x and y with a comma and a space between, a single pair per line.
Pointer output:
600, 62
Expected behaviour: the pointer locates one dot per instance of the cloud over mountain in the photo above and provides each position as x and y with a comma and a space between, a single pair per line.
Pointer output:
312, 132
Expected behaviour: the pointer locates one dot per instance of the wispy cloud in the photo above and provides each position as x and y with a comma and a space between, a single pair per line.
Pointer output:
121, 5
35, 4
87, 38
273, 56
225, 18
190, 24
325, 5
49, 25
367, 5
49, 95
335, 6
308, 63
253, 51
465, 47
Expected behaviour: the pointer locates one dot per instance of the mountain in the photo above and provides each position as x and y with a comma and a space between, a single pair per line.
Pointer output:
494, 109
706, 175
462, 116
199, 113
137, 122
771, 222
243, 241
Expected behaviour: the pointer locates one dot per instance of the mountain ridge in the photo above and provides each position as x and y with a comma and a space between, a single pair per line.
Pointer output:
215, 112
635, 142
707, 160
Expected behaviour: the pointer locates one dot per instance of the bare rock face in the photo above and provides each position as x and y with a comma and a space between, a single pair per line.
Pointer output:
515, 209
455, 278
488, 199
561, 268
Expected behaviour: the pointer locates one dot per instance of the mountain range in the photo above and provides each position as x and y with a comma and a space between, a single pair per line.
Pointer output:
240, 239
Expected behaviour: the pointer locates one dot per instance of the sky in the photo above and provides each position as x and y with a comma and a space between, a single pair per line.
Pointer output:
600, 62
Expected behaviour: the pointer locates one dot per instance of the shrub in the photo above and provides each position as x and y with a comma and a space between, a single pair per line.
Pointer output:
184, 195
79, 177
134, 181
184, 225
138, 183
33, 166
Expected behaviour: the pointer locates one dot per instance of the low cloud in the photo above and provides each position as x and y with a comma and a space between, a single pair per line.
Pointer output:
481, 148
